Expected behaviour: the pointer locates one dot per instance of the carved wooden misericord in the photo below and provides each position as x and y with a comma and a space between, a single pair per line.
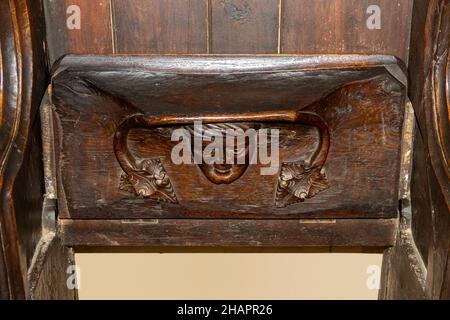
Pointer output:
93, 167
114, 117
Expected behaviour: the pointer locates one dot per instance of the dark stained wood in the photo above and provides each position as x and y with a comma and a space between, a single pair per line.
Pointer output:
357, 100
226, 233
430, 97
93, 36
51, 272
430, 191
23, 75
24, 223
323, 26
47, 273
228, 26
403, 271
253, 88
28, 204
133, 167
243, 26
422, 221
437, 286
153, 26
422, 225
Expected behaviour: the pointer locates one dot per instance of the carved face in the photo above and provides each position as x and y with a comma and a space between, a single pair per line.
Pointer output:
226, 173
223, 173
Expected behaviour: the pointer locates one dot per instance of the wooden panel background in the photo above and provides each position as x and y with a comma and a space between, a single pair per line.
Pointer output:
155, 26
243, 26
228, 26
94, 35
324, 26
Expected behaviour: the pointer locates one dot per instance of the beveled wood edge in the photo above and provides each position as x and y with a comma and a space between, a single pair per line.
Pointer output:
48, 146
406, 159
403, 270
230, 233
228, 249
230, 63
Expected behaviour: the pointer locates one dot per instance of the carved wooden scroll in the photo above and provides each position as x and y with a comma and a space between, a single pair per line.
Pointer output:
148, 178
437, 96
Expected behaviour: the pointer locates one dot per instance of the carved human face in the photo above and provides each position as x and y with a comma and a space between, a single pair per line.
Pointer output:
226, 173
223, 173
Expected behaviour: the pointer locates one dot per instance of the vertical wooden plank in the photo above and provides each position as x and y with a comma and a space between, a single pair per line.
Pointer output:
244, 26
340, 26
90, 34
154, 26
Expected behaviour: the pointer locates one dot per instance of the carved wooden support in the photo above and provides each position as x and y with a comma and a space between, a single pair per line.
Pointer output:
32, 260
437, 95
339, 120
424, 258
148, 178
345, 110
434, 122
22, 74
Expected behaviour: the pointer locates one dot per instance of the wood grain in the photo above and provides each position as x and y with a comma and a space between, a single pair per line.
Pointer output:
94, 35
228, 26
356, 97
229, 233
153, 26
430, 97
323, 26
401, 278
360, 100
243, 26
428, 74
22, 84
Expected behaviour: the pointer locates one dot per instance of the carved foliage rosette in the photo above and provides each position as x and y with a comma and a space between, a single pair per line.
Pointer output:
297, 182
150, 180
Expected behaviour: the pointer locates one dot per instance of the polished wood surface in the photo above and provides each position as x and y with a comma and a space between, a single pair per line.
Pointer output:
323, 26
159, 26
28, 265
22, 84
93, 34
422, 267
242, 26
228, 26
104, 129
363, 198
429, 93
222, 233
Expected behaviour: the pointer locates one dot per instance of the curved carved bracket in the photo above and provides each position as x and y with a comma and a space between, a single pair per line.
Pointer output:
22, 84
301, 180
436, 93
148, 178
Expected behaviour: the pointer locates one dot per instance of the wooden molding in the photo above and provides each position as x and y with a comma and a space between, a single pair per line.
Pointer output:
23, 72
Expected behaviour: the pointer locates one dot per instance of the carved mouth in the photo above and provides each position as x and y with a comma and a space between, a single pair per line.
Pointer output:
222, 170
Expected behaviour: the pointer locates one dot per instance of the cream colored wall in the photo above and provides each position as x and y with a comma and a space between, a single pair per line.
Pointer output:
228, 276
